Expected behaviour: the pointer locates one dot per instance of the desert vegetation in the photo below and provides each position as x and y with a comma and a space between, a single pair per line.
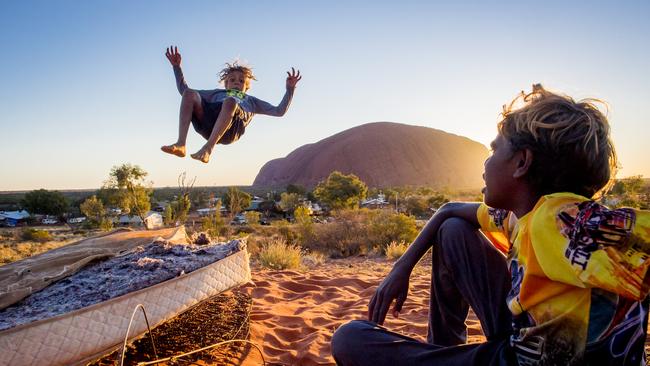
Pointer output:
280, 255
19, 243
282, 231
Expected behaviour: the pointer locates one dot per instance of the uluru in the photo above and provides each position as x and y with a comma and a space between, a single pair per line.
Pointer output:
383, 154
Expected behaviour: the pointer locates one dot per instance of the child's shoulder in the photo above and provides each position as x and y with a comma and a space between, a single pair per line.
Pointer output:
553, 203
579, 218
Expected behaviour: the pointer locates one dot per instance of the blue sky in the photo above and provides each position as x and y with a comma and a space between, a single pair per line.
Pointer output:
87, 86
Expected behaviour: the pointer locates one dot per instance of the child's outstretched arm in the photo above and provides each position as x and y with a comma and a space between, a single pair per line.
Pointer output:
174, 58
262, 107
396, 284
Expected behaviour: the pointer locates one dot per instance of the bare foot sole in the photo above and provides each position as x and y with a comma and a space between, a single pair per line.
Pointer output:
174, 150
201, 155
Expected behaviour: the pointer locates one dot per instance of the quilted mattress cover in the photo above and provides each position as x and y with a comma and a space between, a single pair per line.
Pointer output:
83, 334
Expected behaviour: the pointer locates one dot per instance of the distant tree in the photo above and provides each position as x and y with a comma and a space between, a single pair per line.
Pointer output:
106, 224
302, 215
425, 191
289, 202
438, 199
127, 188
273, 195
200, 198
417, 206
630, 192
214, 224
297, 189
45, 202
236, 200
93, 209
253, 217
110, 196
182, 203
628, 185
341, 191
305, 225
391, 195
268, 207
168, 215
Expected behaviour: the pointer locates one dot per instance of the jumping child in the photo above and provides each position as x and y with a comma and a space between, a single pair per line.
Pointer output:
221, 115
573, 287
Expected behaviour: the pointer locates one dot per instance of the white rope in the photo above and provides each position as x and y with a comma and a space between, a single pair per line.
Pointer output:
174, 358
126, 337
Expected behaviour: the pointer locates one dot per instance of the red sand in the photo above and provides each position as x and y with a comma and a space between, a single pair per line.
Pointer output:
295, 313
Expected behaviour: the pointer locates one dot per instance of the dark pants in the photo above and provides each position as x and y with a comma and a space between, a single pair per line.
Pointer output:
211, 112
467, 271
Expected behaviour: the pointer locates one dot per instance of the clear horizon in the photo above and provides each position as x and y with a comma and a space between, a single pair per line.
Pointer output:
87, 85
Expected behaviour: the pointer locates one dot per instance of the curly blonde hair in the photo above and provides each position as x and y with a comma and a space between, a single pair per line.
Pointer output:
570, 141
236, 66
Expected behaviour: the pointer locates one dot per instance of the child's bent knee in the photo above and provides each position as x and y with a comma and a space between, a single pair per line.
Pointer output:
229, 103
192, 94
455, 225
346, 339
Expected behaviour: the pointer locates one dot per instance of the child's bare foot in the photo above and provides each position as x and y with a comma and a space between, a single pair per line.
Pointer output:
202, 155
174, 150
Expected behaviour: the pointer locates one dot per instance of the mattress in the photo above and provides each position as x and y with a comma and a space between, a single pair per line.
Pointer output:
82, 334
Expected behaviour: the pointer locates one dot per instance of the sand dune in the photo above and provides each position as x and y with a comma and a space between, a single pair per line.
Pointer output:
295, 313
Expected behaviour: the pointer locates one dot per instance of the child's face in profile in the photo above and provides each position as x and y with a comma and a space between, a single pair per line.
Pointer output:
237, 80
498, 173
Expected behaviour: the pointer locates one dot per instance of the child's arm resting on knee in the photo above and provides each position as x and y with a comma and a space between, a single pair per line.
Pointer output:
425, 239
395, 285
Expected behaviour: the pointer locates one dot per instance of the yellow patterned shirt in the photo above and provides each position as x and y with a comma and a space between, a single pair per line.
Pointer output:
579, 280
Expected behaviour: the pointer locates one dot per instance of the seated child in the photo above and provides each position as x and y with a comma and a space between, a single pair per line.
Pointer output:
554, 277
221, 115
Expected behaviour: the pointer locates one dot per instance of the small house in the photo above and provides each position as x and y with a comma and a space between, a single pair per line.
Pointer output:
153, 220
14, 218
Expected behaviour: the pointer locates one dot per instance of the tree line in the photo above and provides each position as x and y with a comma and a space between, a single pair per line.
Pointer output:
128, 190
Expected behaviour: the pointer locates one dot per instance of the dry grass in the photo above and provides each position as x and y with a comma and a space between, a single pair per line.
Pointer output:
11, 251
14, 248
395, 250
280, 255
314, 259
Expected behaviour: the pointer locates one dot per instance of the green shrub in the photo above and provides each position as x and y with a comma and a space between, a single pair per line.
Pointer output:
304, 224
256, 242
346, 236
287, 231
387, 227
90, 225
280, 255
395, 250
363, 231
40, 236
215, 225
253, 217
106, 224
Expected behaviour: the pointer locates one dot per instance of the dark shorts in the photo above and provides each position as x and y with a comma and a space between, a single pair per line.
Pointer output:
210, 113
